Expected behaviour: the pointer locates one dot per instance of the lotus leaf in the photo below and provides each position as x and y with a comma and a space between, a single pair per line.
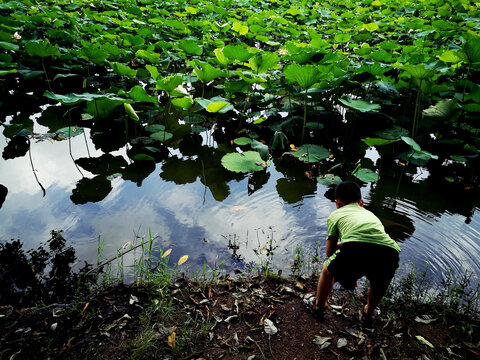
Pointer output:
169, 83
69, 131
161, 135
260, 63
122, 70
311, 153
280, 140
366, 175
377, 141
245, 162
8, 45
139, 94
343, 38
444, 109
371, 27
242, 141
41, 48
359, 105
94, 54
190, 47
240, 28
185, 102
262, 149
304, 75
206, 72
237, 52
329, 179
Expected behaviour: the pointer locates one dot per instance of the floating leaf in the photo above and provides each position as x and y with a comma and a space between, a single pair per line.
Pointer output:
366, 175
242, 141
310, 153
243, 162
161, 135
70, 131
359, 105
329, 179
166, 253
183, 259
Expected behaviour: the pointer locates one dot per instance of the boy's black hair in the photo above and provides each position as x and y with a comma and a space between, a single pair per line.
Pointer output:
348, 192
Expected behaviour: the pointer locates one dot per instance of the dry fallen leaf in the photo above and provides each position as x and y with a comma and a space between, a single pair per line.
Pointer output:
171, 340
182, 259
269, 328
424, 341
166, 253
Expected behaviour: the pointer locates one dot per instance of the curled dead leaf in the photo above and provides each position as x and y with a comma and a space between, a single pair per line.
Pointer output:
171, 340
166, 253
183, 259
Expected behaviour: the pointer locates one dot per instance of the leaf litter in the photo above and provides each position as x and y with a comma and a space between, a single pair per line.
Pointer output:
245, 318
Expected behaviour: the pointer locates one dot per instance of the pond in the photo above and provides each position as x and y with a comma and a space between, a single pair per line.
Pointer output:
280, 212
220, 128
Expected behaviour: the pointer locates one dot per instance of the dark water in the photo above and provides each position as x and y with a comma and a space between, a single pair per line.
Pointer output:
433, 225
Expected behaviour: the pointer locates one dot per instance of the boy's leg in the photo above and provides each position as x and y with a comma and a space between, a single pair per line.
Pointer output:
324, 287
372, 302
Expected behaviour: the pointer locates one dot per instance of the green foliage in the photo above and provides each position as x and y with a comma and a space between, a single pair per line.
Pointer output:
245, 162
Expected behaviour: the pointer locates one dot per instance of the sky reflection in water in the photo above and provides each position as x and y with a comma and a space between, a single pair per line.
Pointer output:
188, 219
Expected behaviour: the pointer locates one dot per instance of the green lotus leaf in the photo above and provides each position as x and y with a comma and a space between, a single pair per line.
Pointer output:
419, 71
366, 175
150, 56
69, 131
370, 27
5, 72
377, 141
122, 70
442, 110
250, 77
450, 56
472, 49
138, 93
342, 38
175, 24
169, 83
245, 162
329, 179
155, 128
240, 28
458, 158
359, 105
387, 88
262, 149
242, 141
221, 57
190, 47
262, 62
184, 102
94, 54
205, 72
161, 135
41, 48
214, 107
8, 45
304, 75
237, 52
311, 153
394, 132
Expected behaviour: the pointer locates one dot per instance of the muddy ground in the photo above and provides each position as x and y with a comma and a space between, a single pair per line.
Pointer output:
229, 320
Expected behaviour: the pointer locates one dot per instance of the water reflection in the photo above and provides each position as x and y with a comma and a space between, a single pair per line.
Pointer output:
197, 207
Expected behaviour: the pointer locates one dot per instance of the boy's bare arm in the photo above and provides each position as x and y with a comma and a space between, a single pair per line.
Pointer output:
331, 245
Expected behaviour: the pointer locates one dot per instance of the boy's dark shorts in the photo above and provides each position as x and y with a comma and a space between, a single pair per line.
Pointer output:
357, 259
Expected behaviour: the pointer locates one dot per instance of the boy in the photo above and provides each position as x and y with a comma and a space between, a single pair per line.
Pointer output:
365, 250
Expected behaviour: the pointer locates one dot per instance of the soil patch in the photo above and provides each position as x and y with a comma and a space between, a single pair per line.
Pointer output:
226, 320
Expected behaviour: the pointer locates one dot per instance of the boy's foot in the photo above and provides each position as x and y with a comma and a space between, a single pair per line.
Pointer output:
368, 321
317, 311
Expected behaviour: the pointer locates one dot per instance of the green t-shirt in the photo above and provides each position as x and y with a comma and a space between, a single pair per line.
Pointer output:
352, 222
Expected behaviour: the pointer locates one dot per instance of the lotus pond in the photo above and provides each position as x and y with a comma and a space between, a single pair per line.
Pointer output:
223, 126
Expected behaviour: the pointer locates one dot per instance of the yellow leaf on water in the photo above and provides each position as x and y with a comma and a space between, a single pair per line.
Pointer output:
182, 259
166, 253
238, 207
171, 340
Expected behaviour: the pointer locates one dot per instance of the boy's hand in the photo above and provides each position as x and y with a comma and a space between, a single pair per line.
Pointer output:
339, 244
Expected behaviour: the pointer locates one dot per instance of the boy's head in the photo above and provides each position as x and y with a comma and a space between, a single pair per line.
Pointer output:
346, 193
